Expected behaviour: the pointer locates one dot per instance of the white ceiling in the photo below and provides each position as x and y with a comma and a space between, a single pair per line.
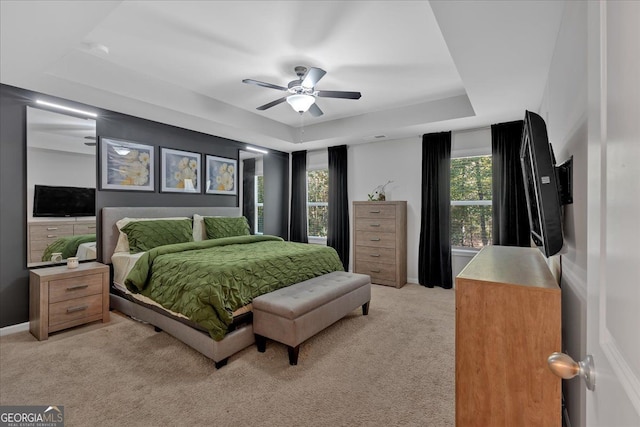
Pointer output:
420, 66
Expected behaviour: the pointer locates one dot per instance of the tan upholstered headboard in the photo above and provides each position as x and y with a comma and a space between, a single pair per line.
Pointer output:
110, 233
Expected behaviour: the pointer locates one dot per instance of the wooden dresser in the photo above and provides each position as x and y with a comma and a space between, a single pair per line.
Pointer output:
61, 297
43, 233
380, 241
507, 323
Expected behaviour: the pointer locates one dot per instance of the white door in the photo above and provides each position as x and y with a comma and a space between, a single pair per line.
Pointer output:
613, 276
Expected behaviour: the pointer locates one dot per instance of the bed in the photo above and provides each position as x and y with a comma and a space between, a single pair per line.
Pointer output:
242, 267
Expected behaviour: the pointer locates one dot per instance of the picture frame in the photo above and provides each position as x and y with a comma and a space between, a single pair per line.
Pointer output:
222, 175
126, 165
180, 171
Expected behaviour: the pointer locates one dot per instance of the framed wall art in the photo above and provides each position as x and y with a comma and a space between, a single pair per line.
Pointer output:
180, 171
222, 175
126, 165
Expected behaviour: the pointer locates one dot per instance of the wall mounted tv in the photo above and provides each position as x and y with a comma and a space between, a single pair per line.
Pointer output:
543, 184
57, 201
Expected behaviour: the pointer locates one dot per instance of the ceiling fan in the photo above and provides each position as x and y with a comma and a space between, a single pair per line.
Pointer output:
301, 92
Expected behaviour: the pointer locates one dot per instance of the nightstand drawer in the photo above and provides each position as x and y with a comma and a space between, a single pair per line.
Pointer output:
375, 239
78, 309
381, 225
375, 211
74, 287
373, 254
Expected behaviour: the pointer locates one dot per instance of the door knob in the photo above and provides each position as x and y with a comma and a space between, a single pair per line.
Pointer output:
565, 367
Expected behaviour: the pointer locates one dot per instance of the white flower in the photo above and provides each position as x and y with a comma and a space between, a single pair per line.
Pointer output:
144, 158
230, 169
138, 173
227, 181
132, 155
177, 175
223, 168
218, 179
183, 163
193, 164
188, 173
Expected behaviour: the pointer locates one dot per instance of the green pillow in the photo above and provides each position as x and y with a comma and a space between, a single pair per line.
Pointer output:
224, 226
146, 235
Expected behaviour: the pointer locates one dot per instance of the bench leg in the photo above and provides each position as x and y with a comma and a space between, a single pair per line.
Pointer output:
222, 363
365, 308
261, 343
293, 354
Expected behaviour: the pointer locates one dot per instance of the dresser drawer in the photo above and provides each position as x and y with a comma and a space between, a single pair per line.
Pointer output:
380, 273
52, 231
381, 225
74, 287
373, 254
372, 238
41, 245
375, 211
84, 229
74, 310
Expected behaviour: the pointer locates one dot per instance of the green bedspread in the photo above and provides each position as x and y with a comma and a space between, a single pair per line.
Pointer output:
67, 245
208, 280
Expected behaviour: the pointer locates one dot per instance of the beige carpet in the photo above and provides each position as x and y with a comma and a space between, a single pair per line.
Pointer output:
394, 367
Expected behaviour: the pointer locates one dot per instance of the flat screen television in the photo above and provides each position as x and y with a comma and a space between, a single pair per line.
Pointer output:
57, 201
541, 185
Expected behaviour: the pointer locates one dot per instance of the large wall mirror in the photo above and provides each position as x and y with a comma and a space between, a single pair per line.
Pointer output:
251, 196
61, 182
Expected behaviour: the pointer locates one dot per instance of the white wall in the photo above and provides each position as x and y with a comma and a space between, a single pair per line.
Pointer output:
564, 108
400, 161
51, 167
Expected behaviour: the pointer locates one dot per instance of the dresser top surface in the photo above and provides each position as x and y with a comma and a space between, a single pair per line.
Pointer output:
510, 265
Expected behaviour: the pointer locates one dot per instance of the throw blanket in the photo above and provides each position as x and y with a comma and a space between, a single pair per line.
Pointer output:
67, 245
206, 281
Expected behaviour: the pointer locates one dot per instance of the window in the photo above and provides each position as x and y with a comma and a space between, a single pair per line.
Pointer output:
317, 203
471, 222
259, 202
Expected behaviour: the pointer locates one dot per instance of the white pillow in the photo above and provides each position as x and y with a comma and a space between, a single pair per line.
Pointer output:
199, 230
123, 240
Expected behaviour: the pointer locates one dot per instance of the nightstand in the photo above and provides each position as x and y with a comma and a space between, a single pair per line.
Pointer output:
61, 297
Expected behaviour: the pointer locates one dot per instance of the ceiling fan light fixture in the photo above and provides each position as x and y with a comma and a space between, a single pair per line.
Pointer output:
300, 102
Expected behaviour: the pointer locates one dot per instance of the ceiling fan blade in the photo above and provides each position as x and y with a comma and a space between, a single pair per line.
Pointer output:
272, 104
259, 83
338, 94
312, 77
315, 111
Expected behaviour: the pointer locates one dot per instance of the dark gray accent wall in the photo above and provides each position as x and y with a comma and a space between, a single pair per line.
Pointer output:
14, 276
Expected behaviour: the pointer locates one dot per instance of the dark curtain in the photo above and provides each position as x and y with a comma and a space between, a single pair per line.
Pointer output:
510, 217
248, 192
434, 252
338, 227
298, 226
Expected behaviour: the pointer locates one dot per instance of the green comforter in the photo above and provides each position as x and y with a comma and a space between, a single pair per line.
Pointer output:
67, 245
208, 280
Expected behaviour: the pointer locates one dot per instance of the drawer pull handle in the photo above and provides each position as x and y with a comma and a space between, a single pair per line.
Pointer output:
375, 239
76, 287
77, 308
375, 255
378, 211
374, 225
51, 228
51, 236
375, 271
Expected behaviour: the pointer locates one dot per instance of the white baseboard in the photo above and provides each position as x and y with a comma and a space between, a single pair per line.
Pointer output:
14, 329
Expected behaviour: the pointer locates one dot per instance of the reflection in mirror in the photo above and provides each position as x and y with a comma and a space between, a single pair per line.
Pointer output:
61, 182
252, 190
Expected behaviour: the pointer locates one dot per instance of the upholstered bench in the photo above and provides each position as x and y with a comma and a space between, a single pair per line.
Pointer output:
293, 314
